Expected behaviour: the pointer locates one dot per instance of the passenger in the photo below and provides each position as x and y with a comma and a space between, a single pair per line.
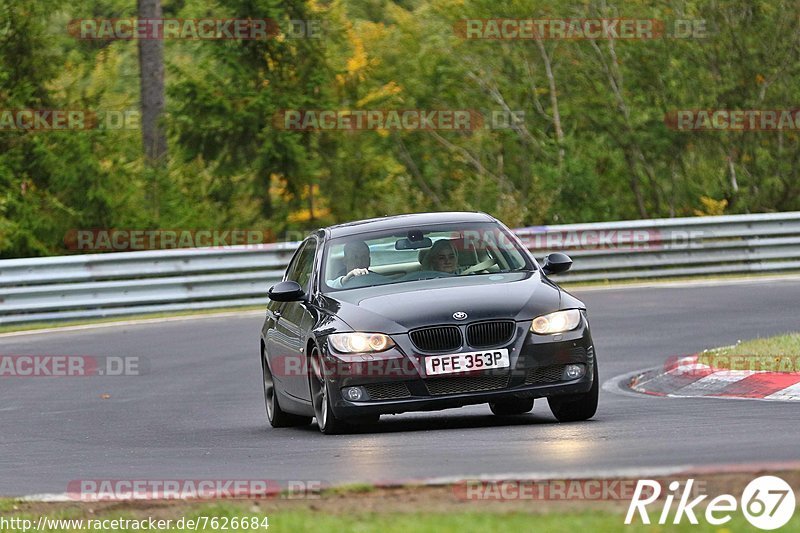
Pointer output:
442, 257
356, 263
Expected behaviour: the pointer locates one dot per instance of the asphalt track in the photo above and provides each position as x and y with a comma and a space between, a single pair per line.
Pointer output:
199, 414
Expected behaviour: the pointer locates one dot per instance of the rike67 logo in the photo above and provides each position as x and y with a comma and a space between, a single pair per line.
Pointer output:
767, 502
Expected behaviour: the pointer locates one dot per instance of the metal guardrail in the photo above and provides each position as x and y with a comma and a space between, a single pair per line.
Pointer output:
117, 284
673, 247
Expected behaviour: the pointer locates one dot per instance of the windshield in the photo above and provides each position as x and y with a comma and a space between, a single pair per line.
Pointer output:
400, 256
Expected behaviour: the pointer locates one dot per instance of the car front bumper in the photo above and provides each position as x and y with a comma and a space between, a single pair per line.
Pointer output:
395, 383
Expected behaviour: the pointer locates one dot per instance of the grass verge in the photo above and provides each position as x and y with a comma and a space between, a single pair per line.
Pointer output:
200, 517
777, 354
410, 508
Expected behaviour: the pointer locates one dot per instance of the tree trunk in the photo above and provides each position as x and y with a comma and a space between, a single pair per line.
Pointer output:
151, 73
551, 81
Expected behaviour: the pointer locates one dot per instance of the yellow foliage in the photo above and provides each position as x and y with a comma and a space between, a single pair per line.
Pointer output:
316, 7
278, 187
305, 214
711, 207
358, 61
358, 39
386, 91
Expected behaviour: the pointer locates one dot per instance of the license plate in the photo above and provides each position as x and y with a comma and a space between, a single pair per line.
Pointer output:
466, 362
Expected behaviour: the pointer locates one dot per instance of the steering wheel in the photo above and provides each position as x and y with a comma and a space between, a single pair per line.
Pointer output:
372, 278
425, 274
480, 266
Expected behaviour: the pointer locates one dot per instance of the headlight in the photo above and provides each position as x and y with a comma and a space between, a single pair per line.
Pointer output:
360, 342
557, 322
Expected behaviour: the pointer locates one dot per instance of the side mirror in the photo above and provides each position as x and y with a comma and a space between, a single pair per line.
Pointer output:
286, 291
556, 263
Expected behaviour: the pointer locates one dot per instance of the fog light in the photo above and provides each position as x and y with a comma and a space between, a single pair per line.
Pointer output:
353, 393
574, 371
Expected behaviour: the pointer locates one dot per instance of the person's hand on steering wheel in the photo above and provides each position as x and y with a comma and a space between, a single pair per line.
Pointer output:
353, 273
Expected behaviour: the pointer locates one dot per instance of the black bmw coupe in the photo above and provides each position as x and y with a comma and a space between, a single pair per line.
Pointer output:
422, 312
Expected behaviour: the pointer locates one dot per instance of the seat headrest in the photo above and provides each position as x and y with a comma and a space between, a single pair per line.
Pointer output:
422, 255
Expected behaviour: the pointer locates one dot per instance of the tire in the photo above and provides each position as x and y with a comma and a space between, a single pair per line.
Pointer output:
327, 422
277, 417
576, 407
515, 406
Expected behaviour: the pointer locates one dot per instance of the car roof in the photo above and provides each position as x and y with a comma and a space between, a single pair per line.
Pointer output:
404, 222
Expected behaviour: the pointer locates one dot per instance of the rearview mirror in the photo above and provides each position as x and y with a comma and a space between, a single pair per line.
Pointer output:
556, 263
286, 291
406, 244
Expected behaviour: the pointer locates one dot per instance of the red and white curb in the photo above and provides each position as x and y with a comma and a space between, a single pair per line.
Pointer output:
687, 378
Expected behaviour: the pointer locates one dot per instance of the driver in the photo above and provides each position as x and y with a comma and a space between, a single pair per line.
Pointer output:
442, 257
356, 261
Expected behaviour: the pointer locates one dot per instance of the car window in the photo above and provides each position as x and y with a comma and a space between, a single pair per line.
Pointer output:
397, 256
291, 269
303, 264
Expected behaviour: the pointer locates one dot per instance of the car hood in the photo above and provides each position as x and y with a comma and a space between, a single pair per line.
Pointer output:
400, 307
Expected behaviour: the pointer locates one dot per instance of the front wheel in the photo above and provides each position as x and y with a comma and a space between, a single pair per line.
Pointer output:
327, 422
576, 407
276, 416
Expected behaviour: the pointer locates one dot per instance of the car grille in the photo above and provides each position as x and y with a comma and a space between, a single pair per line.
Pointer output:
436, 339
387, 391
489, 334
544, 374
440, 386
